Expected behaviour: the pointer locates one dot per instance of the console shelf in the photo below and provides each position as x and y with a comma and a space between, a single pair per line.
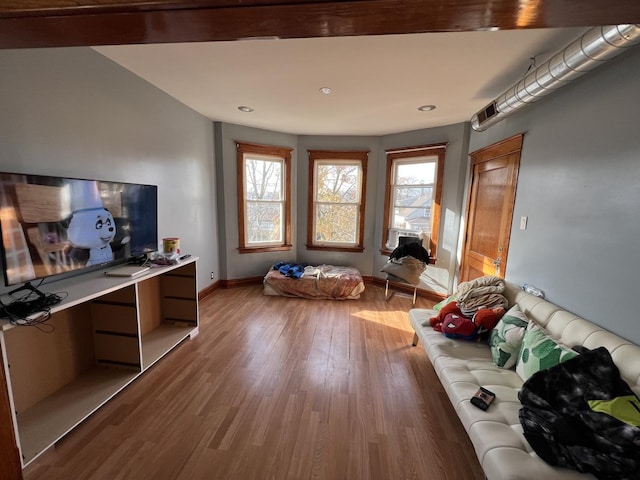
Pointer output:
43, 424
158, 342
105, 333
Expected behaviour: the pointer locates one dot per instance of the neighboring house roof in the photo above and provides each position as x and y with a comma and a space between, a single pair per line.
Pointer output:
415, 207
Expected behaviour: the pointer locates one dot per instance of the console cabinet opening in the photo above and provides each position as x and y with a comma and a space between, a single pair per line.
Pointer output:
168, 307
99, 343
56, 379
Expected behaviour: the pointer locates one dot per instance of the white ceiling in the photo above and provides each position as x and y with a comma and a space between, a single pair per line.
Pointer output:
377, 82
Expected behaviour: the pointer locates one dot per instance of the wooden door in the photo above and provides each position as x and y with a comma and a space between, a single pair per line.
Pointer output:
492, 193
10, 468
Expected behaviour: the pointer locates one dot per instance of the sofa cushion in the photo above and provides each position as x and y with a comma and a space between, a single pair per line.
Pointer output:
540, 351
462, 367
506, 338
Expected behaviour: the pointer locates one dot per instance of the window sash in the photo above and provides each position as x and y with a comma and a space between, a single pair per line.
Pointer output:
349, 237
404, 209
349, 218
273, 187
254, 230
264, 198
398, 186
276, 189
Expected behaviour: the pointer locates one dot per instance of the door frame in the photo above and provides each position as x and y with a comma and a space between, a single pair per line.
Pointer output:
496, 150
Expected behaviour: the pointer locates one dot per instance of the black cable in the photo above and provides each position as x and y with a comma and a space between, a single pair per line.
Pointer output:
20, 310
532, 64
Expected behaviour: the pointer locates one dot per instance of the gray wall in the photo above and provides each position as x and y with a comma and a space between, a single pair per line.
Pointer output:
72, 112
439, 277
362, 261
236, 265
579, 184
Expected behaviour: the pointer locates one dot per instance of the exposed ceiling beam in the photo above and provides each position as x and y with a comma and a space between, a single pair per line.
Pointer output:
57, 23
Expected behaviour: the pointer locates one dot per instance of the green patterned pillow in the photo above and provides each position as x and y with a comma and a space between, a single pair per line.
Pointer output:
442, 303
539, 351
506, 338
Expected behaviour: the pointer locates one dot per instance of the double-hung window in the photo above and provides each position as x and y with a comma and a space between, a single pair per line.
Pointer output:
413, 195
337, 186
264, 192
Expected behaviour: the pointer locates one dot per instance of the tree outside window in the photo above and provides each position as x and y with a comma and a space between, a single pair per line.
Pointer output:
336, 205
263, 190
264, 208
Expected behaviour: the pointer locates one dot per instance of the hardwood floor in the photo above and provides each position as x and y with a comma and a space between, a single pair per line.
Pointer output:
278, 388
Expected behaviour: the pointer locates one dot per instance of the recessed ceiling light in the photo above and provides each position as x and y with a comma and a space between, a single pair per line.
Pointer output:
245, 109
427, 108
325, 90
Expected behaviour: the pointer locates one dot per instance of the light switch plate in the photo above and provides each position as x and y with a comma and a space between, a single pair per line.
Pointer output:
523, 223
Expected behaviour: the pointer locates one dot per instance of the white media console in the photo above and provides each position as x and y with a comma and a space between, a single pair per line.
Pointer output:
106, 333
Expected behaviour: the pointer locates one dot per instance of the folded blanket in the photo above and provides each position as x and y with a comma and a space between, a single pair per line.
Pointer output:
473, 304
407, 268
479, 287
326, 271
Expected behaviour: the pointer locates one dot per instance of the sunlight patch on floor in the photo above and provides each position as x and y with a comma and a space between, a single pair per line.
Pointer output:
391, 318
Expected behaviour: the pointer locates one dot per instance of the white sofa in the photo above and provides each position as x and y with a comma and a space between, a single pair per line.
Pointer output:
464, 366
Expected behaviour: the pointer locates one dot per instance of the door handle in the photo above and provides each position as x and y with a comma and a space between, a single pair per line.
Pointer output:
497, 262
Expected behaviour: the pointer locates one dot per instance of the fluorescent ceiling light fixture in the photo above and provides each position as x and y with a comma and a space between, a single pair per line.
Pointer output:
244, 108
427, 108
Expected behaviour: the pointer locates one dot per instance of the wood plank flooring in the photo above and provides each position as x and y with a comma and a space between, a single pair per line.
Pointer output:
278, 388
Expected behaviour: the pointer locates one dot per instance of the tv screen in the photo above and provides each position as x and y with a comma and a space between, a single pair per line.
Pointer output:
53, 225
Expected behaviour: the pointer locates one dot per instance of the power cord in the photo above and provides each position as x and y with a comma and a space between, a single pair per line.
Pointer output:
19, 311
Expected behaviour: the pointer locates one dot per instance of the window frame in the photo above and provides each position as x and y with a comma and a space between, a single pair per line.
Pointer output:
403, 155
327, 156
243, 150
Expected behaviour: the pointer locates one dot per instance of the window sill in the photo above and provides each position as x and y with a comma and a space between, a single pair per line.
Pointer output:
330, 248
275, 248
386, 252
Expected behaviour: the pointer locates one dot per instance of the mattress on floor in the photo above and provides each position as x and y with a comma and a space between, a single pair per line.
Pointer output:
317, 282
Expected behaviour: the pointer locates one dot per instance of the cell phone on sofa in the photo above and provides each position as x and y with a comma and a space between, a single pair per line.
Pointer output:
483, 398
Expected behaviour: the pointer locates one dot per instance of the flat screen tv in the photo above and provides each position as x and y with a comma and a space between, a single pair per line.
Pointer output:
54, 225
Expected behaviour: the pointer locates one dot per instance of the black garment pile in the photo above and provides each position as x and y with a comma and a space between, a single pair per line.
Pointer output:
563, 430
413, 249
